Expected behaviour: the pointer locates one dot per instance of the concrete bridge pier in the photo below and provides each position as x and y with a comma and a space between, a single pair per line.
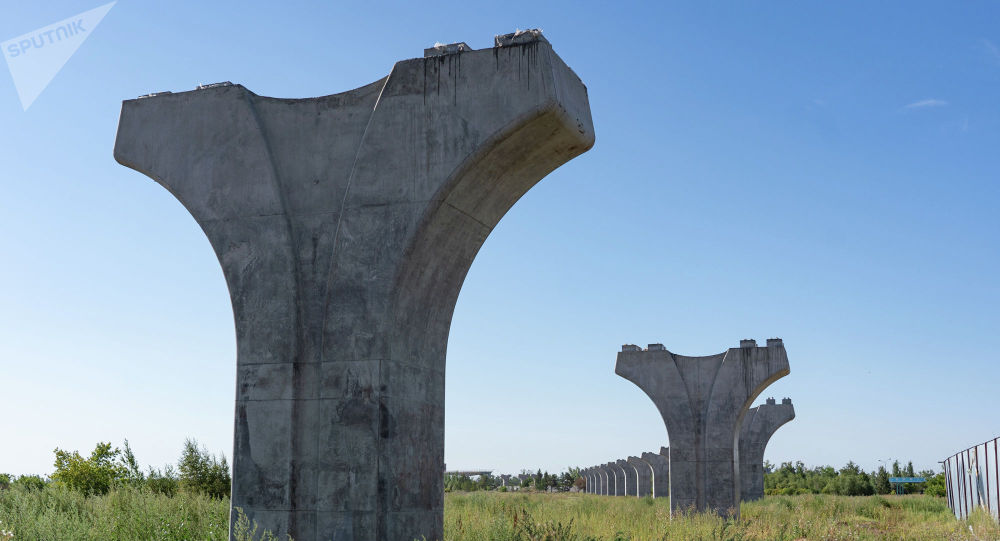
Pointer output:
703, 401
660, 465
345, 226
759, 424
644, 476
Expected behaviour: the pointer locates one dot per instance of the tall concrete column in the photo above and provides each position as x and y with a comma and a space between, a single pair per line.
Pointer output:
702, 401
606, 480
630, 476
616, 479
660, 466
587, 485
644, 476
621, 478
345, 226
759, 424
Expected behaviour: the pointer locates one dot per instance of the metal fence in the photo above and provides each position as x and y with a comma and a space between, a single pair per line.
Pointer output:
972, 478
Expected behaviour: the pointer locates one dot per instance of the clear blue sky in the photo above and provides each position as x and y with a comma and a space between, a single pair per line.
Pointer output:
822, 172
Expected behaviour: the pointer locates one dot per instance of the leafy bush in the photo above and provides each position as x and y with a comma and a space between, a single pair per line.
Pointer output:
29, 482
935, 486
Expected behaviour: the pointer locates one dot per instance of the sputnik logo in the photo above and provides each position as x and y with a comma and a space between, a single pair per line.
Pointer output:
35, 58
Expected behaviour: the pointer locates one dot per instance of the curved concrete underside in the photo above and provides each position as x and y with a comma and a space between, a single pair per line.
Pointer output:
345, 226
759, 424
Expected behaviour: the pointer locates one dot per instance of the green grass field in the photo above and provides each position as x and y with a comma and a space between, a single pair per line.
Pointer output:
129, 515
499, 516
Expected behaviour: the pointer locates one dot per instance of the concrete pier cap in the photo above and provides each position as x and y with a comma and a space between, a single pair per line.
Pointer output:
345, 225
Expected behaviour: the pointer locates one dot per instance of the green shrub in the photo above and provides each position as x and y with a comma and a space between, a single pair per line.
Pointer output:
29, 482
935, 486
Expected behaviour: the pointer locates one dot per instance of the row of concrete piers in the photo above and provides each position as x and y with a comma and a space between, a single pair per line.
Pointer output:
642, 476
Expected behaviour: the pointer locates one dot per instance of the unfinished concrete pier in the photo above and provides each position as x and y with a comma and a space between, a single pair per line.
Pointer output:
345, 226
644, 476
629, 474
616, 470
759, 424
702, 401
660, 465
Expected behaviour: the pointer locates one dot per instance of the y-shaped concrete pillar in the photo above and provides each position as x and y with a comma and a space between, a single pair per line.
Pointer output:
661, 473
702, 401
604, 481
345, 226
630, 476
759, 424
617, 487
644, 476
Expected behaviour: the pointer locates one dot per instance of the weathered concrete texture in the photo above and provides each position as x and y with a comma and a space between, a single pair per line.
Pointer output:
617, 487
702, 401
345, 226
629, 474
759, 424
660, 465
606, 480
644, 476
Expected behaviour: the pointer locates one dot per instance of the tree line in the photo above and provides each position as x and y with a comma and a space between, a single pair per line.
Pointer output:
540, 481
107, 467
851, 480
787, 479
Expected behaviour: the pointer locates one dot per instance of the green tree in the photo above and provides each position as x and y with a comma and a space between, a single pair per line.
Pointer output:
881, 480
93, 475
852, 481
485, 482
164, 482
202, 472
5, 479
935, 485
132, 473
